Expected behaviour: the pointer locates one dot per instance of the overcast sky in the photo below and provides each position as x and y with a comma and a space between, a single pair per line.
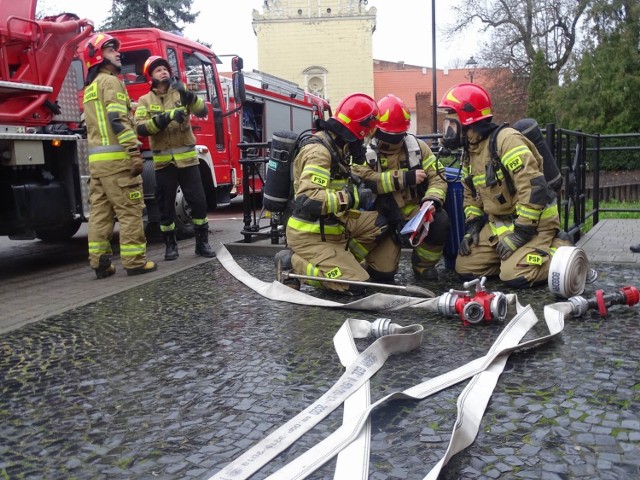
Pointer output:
403, 29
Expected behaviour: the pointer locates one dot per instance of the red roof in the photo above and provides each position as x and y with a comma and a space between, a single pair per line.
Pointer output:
405, 83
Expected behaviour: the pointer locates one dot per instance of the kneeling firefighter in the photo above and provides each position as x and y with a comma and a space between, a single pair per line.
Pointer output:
331, 229
511, 213
163, 116
404, 173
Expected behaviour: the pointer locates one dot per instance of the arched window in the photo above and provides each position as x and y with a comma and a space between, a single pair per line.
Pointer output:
315, 79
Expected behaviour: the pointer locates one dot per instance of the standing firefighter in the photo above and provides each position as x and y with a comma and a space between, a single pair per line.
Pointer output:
330, 230
511, 213
115, 164
163, 116
404, 173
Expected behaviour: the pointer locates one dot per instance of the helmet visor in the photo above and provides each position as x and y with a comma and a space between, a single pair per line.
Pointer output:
370, 121
113, 43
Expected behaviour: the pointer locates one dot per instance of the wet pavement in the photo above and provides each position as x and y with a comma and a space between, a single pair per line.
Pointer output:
176, 377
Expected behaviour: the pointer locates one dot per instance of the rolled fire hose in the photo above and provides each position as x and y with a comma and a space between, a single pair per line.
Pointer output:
569, 271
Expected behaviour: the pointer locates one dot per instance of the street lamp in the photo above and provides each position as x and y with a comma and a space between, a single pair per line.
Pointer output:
471, 65
434, 98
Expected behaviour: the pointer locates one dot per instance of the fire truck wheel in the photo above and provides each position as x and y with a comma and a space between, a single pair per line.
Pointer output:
59, 233
184, 224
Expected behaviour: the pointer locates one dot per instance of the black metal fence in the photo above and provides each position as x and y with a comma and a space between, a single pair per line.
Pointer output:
579, 156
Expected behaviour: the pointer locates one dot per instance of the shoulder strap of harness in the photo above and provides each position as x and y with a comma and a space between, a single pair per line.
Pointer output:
496, 163
328, 143
335, 163
414, 153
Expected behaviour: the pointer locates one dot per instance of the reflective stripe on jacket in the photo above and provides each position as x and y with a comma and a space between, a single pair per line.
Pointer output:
175, 144
320, 183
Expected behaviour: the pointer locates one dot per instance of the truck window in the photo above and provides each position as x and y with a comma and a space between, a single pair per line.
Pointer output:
132, 64
201, 80
172, 58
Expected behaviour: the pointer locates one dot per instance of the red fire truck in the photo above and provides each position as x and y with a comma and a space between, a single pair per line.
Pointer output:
43, 164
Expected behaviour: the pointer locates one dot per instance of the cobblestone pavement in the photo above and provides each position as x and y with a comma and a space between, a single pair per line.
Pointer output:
176, 377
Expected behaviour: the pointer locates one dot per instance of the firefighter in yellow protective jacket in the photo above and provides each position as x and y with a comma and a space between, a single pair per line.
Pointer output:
163, 116
403, 172
512, 221
115, 164
332, 228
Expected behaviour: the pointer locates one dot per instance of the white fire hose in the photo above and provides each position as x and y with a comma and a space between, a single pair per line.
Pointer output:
569, 271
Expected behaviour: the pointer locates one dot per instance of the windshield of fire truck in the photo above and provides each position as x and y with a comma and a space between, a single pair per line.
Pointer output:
199, 72
200, 78
132, 63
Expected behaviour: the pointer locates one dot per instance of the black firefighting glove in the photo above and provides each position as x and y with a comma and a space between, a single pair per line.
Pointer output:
165, 118
187, 97
510, 243
472, 235
410, 178
360, 197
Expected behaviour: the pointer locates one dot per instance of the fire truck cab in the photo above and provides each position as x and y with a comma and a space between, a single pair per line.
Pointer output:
196, 66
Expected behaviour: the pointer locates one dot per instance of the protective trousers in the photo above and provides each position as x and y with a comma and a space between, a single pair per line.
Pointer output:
167, 180
526, 267
339, 256
118, 195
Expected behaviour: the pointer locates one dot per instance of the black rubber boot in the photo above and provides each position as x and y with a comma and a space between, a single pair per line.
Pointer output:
422, 271
203, 248
105, 268
283, 265
381, 277
171, 244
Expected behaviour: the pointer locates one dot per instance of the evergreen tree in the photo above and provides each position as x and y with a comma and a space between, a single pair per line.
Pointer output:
163, 14
604, 94
539, 106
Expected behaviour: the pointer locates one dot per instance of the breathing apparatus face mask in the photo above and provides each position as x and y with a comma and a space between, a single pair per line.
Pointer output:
358, 149
358, 152
367, 139
453, 137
